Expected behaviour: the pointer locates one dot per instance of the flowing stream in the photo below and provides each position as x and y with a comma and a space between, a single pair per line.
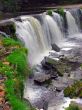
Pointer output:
38, 33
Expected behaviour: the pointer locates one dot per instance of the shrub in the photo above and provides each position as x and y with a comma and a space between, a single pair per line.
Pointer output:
61, 11
49, 12
74, 91
72, 107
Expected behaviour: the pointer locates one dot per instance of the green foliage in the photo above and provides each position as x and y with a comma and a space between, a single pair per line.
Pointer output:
17, 104
49, 12
9, 5
15, 101
61, 11
6, 70
74, 91
10, 42
9, 84
69, 92
14, 67
16, 5
72, 107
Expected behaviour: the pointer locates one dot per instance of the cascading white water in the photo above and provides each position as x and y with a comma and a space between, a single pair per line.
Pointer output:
38, 37
30, 31
36, 40
39, 33
72, 26
56, 35
46, 29
59, 20
76, 14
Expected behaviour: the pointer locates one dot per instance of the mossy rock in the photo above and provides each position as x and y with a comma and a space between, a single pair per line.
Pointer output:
49, 12
73, 106
61, 11
74, 90
8, 28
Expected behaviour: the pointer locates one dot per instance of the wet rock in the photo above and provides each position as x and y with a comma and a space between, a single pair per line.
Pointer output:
41, 77
43, 73
55, 47
40, 98
7, 28
48, 63
53, 66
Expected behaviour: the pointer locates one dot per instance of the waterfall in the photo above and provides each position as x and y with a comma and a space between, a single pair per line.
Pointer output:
59, 20
46, 29
72, 26
38, 37
56, 35
76, 13
41, 31
30, 32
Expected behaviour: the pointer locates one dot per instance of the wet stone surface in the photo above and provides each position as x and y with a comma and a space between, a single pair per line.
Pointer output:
45, 89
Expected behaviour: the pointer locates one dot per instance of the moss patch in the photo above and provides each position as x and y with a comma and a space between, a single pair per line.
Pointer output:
74, 91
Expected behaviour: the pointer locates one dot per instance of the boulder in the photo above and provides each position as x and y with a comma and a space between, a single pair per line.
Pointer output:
55, 47
7, 28
41, 77
49, 65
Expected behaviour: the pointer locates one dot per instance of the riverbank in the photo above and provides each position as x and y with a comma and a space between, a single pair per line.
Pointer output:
13, 71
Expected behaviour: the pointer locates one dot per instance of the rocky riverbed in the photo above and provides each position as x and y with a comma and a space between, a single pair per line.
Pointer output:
44, 88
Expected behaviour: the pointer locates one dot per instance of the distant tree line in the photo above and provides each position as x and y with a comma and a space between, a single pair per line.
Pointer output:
18, 5
54, 1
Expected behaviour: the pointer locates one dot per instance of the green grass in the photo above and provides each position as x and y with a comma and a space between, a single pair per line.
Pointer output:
18, 58
16, 102
10, 42
11, 89
16, 72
